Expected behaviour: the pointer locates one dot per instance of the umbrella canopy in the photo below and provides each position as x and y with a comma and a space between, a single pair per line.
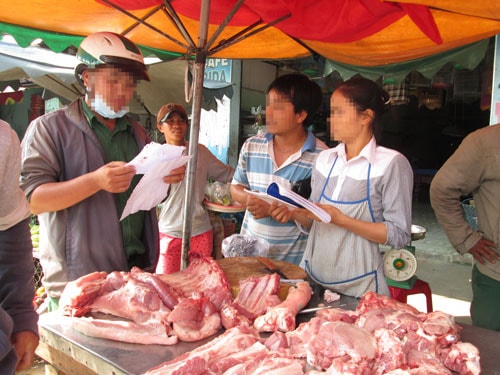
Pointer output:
359, 32
466, 57
55, 72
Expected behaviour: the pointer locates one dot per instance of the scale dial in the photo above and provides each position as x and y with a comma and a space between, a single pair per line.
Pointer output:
399, 265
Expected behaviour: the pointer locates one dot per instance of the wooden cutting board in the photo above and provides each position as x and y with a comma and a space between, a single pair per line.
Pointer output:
239, 268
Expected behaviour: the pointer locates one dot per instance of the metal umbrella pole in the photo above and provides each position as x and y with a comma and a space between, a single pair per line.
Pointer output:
198, 75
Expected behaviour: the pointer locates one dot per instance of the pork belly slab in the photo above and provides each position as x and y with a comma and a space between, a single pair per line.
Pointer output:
126, 331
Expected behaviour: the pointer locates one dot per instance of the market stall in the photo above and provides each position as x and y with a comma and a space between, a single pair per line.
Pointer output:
75, 353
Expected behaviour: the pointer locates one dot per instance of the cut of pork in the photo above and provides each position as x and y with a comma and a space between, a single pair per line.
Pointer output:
372, 300
462, 357
125, 331
231, 317
282, 317
79, 293
194, 319
135, 301
257, 294
343, 341
203, 275
197, 361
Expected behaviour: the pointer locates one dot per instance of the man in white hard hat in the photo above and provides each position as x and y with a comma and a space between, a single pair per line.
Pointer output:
75, 176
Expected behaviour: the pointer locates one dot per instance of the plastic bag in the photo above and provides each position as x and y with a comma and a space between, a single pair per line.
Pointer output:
240, 245
219, 193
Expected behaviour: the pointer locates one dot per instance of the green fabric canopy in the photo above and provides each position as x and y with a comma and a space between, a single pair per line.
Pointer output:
467, 57
59, 42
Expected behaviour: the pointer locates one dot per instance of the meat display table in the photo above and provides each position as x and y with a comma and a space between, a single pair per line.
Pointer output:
74, 353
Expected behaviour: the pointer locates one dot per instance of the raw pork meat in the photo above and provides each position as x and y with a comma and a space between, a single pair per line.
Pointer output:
257, 294
462, 357
203, 275
390, 352
187, 308
282, 317
79, 293
343, 341
125, 331
169, 295
134, 301
194, 319
231, 317
197, 361
372, 300
380, 337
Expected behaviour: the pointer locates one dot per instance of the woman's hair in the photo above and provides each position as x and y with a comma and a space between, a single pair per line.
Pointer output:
366, 94
303, 93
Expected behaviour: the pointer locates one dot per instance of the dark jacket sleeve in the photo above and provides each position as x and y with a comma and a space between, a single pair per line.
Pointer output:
17, 287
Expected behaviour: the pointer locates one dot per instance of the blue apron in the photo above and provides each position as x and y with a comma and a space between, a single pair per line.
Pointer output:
341, 260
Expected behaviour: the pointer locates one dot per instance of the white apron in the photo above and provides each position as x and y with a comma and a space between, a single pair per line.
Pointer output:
341, 260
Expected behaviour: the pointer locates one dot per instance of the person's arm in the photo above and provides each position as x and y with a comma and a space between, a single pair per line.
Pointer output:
484, 250
257, 207
114, 177
283, 214
25, 343
216, 169
396, 200
460, 175
238, 194
240, 180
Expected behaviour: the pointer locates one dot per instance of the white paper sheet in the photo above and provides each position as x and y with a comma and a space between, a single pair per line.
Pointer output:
155, 161
153, 153
269, 198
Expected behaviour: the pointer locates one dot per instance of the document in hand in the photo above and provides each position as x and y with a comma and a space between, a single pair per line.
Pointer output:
281, 194
155, 161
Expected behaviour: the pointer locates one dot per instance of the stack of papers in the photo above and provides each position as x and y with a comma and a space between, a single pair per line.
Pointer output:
279, 193
155, 161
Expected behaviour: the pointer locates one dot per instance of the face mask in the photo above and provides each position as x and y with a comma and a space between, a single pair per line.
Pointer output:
99, 105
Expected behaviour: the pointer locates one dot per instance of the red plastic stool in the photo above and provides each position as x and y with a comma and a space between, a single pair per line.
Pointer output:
401, 294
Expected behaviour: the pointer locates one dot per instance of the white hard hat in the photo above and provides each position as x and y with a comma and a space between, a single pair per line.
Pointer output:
110, 48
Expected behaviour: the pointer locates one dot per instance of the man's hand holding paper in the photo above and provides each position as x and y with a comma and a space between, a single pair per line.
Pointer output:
161, 166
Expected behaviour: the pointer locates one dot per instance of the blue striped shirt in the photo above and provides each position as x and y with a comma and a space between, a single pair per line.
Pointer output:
255, 171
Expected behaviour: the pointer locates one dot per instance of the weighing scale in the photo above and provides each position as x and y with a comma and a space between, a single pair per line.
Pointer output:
400, 265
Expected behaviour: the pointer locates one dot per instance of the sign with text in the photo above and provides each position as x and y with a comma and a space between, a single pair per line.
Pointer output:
217, 73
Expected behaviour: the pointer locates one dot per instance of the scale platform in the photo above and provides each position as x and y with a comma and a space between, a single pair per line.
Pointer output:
406, 284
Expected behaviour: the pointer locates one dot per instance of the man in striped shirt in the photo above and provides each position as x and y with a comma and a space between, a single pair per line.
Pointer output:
284, 154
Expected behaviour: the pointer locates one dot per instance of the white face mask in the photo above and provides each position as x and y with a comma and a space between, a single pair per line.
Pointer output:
100, 106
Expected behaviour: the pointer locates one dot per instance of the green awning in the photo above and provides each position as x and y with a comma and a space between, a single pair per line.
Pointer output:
467, 57
58, 42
